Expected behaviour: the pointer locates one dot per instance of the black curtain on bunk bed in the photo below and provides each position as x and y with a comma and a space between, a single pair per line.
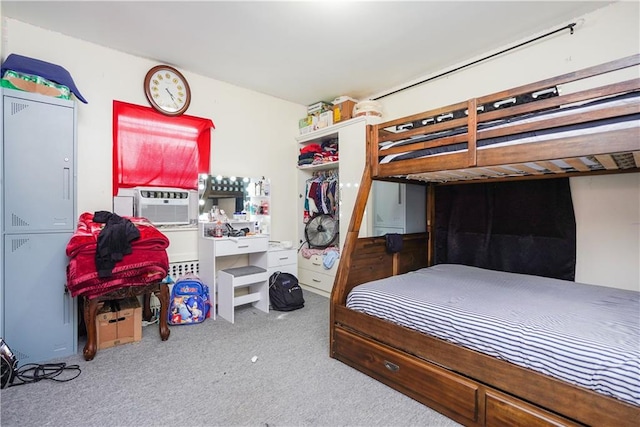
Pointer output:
519, 226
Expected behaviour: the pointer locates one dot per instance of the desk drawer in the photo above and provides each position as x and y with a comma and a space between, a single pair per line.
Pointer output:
282, 257
241, 245
315, 279
315, 264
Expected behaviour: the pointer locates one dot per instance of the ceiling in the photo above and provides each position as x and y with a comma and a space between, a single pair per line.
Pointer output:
304, 51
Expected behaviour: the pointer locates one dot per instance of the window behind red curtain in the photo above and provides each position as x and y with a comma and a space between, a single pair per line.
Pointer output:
153, 150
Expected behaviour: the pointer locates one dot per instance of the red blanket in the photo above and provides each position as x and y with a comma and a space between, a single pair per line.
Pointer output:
138, 268
147, 263
85, 238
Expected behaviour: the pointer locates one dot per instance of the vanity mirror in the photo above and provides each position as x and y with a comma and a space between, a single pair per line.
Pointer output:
245, 201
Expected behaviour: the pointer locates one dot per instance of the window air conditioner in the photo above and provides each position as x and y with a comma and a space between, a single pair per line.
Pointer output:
162, 206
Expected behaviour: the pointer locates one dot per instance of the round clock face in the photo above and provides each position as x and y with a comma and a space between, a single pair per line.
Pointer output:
167, 90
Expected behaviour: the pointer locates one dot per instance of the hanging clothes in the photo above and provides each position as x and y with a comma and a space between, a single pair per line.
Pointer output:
321, 194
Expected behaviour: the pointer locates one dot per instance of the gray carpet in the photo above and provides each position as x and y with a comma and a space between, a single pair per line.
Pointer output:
204, 376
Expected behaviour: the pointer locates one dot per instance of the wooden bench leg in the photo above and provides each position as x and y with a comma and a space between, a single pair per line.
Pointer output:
164, 307
146, 307
91, 346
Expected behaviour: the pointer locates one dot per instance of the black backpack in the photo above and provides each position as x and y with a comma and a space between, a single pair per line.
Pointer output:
285, 294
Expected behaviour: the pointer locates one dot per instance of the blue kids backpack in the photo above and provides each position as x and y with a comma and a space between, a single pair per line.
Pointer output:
189, 301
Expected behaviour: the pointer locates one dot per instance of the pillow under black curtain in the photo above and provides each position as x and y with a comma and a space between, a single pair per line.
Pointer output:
518, 226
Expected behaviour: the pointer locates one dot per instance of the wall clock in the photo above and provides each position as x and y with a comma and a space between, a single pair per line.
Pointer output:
167, 90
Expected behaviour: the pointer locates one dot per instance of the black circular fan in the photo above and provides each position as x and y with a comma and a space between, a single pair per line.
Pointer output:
321, 231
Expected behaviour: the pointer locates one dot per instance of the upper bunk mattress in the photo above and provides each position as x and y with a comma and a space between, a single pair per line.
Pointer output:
595, 126
584, 334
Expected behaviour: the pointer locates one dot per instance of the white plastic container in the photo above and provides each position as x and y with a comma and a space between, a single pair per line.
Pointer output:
367, 108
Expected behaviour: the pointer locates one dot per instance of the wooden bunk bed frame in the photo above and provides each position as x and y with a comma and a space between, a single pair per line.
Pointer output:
467, 386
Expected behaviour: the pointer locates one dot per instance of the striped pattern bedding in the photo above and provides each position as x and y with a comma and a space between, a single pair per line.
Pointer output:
603, 125
584, 334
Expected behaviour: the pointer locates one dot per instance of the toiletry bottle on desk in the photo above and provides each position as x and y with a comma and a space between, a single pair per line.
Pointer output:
217, 230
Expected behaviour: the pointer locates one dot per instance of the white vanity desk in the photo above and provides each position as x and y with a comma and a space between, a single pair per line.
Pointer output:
210, 249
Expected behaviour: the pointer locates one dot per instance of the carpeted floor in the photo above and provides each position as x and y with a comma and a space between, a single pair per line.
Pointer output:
204, 376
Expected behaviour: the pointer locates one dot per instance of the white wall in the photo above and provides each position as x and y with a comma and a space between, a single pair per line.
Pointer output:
254, 135
607, 210
607, 207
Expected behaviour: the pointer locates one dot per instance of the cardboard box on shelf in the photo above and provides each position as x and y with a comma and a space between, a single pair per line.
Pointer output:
319, 107
307, 129
308, 124
325, 119
343, 108
304, 122
119, 322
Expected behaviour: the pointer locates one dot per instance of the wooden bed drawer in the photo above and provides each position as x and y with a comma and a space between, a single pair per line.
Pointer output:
502, 410
450, 394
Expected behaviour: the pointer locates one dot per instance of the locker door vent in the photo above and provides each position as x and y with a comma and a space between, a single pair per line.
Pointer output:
16, 221
18, 243
16, 107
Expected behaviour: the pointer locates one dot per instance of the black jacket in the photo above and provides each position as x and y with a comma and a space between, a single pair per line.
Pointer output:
114, 241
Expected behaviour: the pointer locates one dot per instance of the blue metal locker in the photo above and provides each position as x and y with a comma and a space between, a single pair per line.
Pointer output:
38, 318
39, 135
39, 313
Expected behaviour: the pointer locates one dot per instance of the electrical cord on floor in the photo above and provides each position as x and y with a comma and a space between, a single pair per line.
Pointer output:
32, 373
153, 321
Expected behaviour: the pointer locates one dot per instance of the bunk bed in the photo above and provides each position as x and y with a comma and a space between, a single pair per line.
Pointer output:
533, 131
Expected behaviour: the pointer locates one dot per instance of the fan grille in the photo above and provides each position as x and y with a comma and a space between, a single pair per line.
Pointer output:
321, 231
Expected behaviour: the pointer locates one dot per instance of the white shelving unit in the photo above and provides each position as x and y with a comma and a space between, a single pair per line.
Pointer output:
351, 135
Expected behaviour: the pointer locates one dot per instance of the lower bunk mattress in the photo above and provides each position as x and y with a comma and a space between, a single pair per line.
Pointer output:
584, 334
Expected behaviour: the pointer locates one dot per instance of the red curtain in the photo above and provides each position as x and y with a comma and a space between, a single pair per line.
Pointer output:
150, 149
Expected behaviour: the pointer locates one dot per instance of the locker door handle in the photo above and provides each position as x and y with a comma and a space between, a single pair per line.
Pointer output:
66, 304
66, 183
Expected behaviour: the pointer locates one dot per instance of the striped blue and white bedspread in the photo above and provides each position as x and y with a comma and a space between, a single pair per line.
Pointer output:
584, 334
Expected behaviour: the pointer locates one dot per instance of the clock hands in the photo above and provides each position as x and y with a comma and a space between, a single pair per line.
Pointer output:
172, 97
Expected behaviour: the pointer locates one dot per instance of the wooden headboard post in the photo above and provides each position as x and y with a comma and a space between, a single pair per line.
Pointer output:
372, 148
431, 217
472, 116
340, 290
